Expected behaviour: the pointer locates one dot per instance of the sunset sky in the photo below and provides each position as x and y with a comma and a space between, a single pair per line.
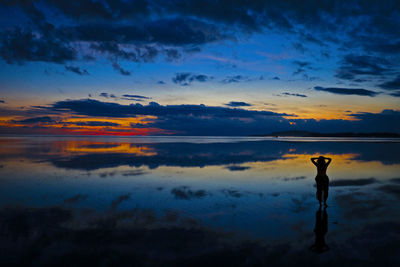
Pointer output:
198, 67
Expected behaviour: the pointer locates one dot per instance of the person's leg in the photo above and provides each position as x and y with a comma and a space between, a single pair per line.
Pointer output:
319, 194
326, 192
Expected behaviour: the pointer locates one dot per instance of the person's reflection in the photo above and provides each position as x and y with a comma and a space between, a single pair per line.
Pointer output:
320, 230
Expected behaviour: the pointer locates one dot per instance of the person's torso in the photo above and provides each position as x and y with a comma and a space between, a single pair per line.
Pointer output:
321, 169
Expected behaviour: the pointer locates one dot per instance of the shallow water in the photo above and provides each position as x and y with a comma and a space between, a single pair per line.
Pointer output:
255, 188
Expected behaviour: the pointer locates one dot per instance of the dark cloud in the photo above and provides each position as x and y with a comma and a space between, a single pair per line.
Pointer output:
45, 119
96, 123
392, 85
115, 203
183, 192
161, 82
134, 173
301, 66
232, 193
186, 78
173, 31
365, 24
2, 101
391, 189
75, 199
122, 71
291, 94
352, 66
204, 120
347, 91
395, 180
92, 107
238, 104
382, 119
18, 46
138, 53
172, 54
236, 79
77, 70
294, 178
135, 97
107, 95
353, 182
147, 30
234, 168
395, 94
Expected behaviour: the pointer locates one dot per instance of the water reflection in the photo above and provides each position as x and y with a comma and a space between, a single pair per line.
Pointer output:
320, 230
259, 189
83, 154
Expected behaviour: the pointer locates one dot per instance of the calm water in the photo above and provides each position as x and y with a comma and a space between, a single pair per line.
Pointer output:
253, 188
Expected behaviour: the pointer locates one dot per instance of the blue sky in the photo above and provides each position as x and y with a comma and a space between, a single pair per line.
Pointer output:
328, 62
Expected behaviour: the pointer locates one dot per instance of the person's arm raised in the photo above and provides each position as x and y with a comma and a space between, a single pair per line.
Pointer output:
328, 161
313, 161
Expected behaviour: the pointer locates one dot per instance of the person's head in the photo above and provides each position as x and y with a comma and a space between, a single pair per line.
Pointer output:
321, 160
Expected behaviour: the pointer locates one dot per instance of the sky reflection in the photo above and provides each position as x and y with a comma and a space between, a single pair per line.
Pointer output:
240, 186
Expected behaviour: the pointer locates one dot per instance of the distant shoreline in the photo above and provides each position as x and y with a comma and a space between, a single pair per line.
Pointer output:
288, 134
316, 134
208, 139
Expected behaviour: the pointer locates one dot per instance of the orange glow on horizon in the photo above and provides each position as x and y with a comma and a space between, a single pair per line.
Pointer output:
80, 125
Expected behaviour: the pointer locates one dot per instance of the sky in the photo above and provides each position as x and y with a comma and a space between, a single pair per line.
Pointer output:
198, 67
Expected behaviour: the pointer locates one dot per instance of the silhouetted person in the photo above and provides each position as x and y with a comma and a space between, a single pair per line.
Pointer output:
320, 230
321, 178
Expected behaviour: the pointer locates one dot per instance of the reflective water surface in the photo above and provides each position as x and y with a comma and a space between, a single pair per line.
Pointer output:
255, 190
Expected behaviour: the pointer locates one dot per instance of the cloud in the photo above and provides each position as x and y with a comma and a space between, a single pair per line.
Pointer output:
395, 180
232, 193
347, 91
352, 66
238, 104
142, 53
301, 66
2, 101
75, 199
44, 119
135, 97
107, 95
391, 189
184, 193
236, 79
217, 120
294, 178
115, 203
91, 107
395, 94
77, 70
134, 173
118, 68
172, 31
234, 168
291, 94
188, 23
96, 123
186, 78
392, 85
353, 182
19, 46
